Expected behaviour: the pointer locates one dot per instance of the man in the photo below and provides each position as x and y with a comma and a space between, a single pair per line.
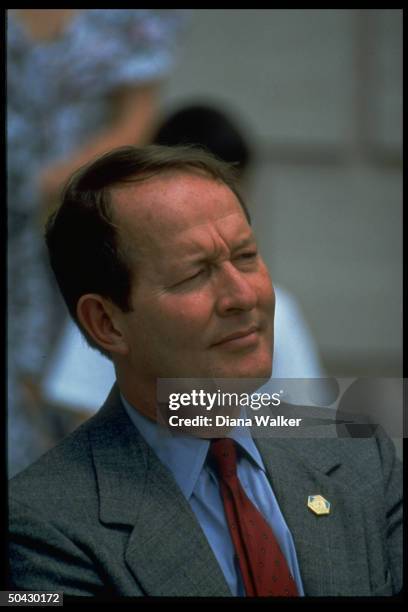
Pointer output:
156, 259
80, 377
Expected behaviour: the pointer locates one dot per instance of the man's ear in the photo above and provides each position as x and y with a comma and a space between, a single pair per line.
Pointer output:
100, 318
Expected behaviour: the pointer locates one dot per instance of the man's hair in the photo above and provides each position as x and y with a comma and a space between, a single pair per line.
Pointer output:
83, 243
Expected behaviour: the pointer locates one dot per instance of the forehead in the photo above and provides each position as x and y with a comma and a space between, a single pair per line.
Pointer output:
170, 204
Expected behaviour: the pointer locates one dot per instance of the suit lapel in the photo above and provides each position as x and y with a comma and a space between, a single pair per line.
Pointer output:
324, 544
167, 551
169, 536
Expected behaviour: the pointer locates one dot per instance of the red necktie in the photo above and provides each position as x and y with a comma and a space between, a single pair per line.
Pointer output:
264, 569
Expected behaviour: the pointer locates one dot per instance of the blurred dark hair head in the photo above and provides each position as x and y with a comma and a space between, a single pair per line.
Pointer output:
208, 127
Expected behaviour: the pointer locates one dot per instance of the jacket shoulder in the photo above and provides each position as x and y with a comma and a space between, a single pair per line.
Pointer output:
67, 466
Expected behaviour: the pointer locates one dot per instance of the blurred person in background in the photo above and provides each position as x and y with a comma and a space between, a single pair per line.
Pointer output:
80, 378
79, 82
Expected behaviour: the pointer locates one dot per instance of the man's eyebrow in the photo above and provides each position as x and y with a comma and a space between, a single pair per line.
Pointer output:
195, 259
249, 240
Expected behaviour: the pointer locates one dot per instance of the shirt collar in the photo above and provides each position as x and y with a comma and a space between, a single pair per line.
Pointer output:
185, 455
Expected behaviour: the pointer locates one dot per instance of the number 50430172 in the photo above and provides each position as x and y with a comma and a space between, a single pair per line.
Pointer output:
21, 598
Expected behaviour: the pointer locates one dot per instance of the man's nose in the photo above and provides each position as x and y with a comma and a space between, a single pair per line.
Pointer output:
235, 292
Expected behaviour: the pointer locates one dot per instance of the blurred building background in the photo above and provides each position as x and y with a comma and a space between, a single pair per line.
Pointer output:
319, 92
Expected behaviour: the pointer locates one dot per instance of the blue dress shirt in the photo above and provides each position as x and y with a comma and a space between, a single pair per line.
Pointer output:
185, 456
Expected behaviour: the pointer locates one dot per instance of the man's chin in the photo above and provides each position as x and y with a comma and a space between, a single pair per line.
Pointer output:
253, 371
257, 365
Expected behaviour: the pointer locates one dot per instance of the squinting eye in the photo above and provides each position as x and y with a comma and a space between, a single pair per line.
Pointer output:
190, 278
248, 255
194, 275
180, 284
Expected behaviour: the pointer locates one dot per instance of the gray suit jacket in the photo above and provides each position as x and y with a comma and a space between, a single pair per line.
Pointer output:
100, 515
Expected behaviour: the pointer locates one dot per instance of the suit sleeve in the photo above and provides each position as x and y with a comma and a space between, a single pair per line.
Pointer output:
392, 474
42, 558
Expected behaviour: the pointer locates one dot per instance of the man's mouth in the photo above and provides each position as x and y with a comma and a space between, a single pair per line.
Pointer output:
241, 338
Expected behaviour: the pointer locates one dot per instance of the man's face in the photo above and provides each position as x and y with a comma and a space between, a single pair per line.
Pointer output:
203, 302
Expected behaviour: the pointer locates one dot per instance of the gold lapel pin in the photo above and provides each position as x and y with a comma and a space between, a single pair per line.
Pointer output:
318, 504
